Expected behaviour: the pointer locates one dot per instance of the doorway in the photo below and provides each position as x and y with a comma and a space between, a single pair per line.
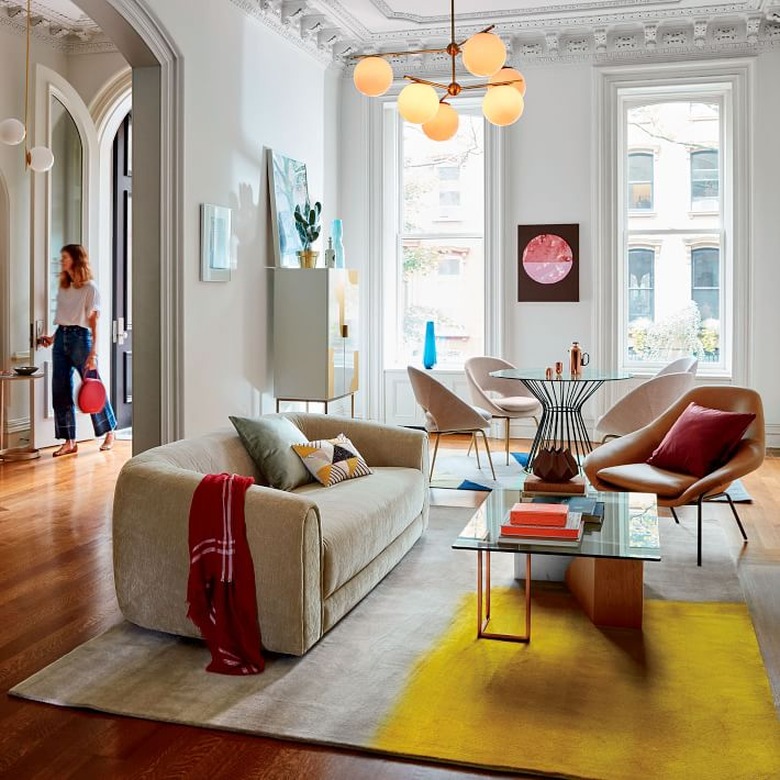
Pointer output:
122, 259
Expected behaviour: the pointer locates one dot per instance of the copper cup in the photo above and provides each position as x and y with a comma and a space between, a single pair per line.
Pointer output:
558, 367
548, 373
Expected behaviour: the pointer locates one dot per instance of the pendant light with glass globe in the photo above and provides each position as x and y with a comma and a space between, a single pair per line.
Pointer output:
13, 131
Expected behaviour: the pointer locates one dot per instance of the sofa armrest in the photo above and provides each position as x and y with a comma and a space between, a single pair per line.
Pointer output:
151, 555
379, 444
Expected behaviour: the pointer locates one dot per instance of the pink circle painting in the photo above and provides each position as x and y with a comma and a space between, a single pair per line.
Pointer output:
547, 259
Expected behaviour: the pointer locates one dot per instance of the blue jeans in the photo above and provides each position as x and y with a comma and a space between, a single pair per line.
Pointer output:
72, 344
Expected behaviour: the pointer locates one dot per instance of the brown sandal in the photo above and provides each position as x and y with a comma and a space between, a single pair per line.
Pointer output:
62, 451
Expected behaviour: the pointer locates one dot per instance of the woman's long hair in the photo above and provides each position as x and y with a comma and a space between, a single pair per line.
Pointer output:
80, 272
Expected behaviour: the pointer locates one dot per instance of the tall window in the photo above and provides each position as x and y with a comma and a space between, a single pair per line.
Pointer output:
438, 270
641, 273
674, 292
704, 180
640, 181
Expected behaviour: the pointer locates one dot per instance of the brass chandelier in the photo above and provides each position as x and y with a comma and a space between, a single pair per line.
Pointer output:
484, 55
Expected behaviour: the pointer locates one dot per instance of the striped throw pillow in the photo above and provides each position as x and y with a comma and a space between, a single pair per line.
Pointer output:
332, 460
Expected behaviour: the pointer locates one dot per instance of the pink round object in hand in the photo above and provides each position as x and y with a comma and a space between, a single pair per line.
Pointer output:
92, 395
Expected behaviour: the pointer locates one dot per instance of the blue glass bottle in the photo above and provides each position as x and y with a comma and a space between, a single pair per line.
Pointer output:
336, 231
429, 350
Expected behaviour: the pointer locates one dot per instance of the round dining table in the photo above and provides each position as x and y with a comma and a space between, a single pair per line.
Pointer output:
562, 397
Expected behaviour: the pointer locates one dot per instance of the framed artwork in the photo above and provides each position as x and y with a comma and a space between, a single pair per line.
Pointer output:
548, 263
215, 235
287, 188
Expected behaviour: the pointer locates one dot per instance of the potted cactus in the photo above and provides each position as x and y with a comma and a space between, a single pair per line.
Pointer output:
307, 223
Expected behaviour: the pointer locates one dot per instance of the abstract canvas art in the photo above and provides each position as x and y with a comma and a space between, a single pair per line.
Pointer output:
287, 188
548, 263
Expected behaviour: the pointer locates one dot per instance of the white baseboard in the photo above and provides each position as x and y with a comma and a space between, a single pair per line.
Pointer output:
773, 435
18, 424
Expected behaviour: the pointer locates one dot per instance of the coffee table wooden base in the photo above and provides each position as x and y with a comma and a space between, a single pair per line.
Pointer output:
483, 601
609, 590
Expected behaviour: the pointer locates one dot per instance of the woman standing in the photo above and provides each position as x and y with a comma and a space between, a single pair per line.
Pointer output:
75, 340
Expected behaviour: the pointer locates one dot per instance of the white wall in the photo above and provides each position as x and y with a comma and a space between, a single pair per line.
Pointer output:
247, 90
550, 180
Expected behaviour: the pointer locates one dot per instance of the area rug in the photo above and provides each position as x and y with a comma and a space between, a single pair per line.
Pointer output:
404, 674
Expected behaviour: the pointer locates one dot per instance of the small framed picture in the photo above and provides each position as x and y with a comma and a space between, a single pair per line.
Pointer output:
548, 263
215, 232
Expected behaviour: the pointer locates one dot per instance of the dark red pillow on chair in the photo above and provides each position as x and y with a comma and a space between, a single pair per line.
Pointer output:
700, 440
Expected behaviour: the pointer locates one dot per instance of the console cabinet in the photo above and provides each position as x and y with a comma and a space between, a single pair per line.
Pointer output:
315, 333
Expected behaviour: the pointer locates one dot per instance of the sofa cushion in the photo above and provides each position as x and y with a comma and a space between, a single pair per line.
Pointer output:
331, 461
269, 441
359, 518
700, 440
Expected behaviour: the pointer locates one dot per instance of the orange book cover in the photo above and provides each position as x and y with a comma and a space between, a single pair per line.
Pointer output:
547, 515
572, 530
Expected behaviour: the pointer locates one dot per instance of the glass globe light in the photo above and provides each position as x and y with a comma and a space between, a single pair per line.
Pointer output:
40, 159
510, 74
373, 76
12, 132
444, 124
418, 103
484, 54
502, 105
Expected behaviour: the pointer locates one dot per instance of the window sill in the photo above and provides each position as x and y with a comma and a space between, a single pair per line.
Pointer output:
641, 213
693, 214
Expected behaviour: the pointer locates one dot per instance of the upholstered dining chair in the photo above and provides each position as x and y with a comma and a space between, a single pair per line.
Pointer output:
689, 364
643, 404
621, 464
505, 399
446, 413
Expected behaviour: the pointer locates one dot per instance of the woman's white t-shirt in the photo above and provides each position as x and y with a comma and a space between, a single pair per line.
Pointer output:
76, 304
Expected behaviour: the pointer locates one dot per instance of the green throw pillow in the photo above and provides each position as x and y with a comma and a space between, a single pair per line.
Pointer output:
269, 440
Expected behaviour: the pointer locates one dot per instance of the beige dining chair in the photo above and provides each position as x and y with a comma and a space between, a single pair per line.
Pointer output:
505, 399
622, 465
446, 413
643, 404
689, 364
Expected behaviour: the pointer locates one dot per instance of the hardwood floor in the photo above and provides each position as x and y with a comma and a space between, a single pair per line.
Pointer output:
56, 592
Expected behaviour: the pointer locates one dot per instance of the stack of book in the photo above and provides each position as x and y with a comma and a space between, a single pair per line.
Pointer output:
550, 524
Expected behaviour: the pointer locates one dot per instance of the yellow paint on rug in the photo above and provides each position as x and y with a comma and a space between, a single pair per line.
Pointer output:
687, 697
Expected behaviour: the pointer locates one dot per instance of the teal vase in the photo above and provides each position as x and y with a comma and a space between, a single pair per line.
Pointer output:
429, 350
336, 232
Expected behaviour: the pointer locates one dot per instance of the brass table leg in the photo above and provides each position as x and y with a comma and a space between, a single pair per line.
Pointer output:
483, 601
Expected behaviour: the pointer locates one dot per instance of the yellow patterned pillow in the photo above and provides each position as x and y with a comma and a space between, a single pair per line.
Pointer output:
332, 460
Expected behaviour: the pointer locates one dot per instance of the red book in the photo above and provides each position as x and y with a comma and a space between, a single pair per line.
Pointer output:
571, 531
546, 515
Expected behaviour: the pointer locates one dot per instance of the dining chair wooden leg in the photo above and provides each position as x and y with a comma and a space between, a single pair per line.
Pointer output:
476, 448
487, 448
433, 461
507, 441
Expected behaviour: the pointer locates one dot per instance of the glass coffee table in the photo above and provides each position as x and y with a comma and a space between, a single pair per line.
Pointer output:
606, 573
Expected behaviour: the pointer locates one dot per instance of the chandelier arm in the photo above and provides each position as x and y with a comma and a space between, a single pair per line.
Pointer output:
406, 53
490, 84
425, 81
487, 29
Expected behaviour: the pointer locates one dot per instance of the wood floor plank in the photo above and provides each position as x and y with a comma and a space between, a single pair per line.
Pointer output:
56, 592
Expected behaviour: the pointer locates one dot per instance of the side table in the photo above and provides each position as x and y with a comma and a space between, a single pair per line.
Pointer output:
30, 452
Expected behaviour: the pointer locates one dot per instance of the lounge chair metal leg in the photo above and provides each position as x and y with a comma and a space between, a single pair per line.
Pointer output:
674, 515
471, 444
507, 441
476, 448
698, 531
487, 448
736, 516
433, 461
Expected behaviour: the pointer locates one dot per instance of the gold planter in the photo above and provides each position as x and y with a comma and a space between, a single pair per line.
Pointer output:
308, 258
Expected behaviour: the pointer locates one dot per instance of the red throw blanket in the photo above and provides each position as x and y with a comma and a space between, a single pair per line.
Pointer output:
221, 585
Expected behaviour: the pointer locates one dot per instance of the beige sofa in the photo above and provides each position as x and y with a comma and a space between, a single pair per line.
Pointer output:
317, 551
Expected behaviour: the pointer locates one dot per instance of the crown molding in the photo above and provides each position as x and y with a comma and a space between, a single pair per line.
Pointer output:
63, 37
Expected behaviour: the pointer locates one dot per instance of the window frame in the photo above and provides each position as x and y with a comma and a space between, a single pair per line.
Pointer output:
738, 76
385, 298
642, 152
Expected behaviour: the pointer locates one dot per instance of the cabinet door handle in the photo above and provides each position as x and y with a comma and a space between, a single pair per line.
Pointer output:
345, 331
